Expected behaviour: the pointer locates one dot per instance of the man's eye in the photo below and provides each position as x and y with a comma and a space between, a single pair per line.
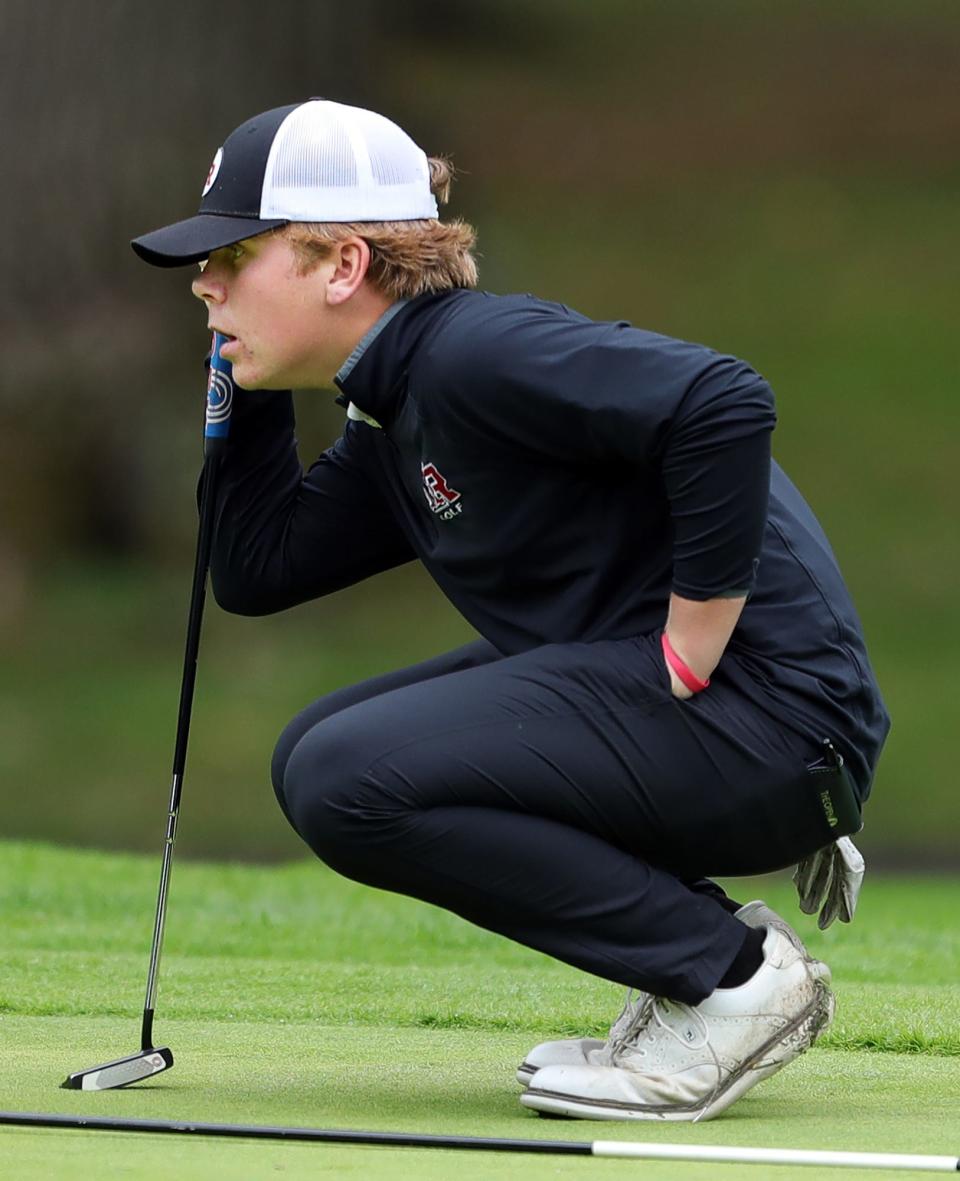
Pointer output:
237, 252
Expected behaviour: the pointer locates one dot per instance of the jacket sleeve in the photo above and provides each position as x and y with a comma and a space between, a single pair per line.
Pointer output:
715, 466
282, 537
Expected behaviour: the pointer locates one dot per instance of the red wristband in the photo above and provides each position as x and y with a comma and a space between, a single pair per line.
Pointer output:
688, 676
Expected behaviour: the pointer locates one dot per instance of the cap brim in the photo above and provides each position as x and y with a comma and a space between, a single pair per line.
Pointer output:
194, 239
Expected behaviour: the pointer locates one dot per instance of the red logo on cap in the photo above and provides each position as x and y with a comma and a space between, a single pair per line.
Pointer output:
212, 174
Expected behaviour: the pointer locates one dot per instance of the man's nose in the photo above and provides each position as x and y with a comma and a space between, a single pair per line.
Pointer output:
208, 288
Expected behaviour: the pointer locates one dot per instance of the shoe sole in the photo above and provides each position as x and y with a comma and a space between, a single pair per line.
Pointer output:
797, 1037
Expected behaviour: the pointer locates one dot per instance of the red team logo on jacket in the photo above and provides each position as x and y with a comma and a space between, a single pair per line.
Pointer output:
440, 496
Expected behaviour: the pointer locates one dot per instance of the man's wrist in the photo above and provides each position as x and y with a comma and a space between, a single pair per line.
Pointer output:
677, 687
680, 670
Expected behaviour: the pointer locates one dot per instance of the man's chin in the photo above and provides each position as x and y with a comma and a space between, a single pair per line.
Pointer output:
246, 377
249, 376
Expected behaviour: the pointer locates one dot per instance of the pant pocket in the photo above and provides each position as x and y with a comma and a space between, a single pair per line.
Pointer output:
773, 825
817, 808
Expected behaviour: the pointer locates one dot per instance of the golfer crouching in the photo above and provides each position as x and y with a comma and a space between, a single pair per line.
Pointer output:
670, 682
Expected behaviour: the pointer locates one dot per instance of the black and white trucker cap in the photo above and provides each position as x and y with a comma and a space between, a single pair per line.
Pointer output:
314, 161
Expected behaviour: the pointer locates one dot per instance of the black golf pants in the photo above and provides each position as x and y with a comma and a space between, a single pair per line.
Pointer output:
561, 797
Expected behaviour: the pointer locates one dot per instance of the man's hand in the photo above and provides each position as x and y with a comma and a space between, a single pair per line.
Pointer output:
831, 878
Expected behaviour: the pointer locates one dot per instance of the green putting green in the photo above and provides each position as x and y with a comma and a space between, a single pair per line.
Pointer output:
290, 996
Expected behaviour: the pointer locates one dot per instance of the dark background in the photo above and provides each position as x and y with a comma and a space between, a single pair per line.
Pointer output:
778, 181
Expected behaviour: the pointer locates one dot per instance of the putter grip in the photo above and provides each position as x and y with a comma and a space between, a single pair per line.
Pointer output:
219, 399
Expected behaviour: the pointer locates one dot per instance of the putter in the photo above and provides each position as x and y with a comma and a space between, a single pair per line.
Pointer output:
151, 1059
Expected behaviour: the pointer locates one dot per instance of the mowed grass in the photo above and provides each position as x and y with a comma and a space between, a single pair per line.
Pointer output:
290, 996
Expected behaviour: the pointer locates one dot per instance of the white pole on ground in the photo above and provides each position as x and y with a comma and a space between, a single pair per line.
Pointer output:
719, 1154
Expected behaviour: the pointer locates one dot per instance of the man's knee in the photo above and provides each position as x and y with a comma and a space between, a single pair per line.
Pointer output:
331, 799
295, 730
291, 735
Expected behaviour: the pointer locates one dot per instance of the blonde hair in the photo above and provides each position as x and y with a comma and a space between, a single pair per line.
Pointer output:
407, 258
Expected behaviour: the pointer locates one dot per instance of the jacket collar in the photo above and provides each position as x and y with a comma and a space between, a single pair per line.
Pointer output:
367, 340
373, 377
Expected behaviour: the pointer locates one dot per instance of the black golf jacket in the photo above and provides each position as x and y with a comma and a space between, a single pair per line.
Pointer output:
557, 477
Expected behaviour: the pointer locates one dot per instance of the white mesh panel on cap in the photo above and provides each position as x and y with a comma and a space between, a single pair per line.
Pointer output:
304, 161
330, 162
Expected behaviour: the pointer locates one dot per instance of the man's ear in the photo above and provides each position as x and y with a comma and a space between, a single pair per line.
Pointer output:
351, 262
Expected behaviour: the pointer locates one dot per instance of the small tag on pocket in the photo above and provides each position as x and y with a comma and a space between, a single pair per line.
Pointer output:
836, 793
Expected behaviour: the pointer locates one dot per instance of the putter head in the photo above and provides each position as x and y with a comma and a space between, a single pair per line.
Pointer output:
121, 1072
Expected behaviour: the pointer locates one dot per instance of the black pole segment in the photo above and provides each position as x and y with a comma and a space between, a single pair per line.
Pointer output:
146, 1030
322, 1135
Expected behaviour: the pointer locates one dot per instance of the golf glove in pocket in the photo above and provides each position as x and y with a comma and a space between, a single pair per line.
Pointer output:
830, 879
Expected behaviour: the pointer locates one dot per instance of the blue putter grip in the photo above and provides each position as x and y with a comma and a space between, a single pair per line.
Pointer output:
219, 399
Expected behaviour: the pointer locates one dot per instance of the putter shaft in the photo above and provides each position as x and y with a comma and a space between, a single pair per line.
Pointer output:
136, 1067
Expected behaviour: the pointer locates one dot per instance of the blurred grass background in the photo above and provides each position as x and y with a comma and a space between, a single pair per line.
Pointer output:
780, 182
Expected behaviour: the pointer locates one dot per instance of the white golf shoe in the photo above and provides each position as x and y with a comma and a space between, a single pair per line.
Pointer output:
590, 1051
581, 1051
680, 1062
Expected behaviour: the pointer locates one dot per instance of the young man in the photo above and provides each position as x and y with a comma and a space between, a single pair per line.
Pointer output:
671, 682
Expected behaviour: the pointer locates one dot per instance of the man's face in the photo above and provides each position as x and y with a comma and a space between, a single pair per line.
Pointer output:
271, 313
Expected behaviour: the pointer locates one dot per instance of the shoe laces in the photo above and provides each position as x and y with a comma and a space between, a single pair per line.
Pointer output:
631, 1023
620, 1029
652, 1016
660, 1005
632, 1005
